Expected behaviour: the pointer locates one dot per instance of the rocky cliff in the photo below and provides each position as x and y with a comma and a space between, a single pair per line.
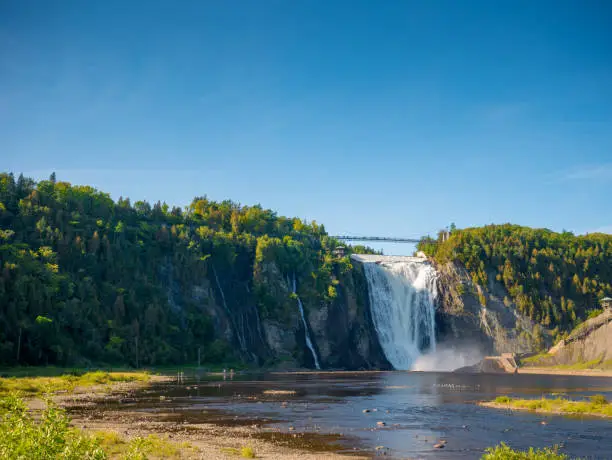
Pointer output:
589, 344
484, 318
341, 328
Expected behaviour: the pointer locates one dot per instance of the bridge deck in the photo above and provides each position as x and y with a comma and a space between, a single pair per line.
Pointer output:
376, 238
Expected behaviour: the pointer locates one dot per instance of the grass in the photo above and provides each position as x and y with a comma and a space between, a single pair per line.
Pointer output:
504, 452
593, 364
67, 382
535, 359
597, 405
141, 448
540, 360
597, 363
244, 452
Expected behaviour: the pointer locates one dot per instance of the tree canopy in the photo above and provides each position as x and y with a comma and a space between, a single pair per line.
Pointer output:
554, 278
86, 279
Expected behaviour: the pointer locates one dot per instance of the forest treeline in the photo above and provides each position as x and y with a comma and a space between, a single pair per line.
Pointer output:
556, 279
85, 279
88, 280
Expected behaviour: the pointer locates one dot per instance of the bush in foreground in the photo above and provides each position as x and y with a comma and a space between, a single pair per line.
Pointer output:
505, 452
52, 437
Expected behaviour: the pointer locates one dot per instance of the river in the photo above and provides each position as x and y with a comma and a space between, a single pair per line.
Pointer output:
417, 408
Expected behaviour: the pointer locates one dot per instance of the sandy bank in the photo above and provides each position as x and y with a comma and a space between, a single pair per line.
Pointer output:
551, 371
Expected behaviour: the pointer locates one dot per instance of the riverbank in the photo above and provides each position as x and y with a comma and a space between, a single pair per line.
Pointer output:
557, 371
100, 412
103, 405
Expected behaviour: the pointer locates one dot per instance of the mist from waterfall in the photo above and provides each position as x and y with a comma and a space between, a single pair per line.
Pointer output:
402, 295
309, 343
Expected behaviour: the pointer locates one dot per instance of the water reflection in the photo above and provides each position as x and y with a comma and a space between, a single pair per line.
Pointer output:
407, 412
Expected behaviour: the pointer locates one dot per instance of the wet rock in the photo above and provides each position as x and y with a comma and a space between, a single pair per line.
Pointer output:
441, 444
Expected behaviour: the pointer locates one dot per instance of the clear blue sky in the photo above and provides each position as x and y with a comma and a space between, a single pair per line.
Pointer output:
384, 118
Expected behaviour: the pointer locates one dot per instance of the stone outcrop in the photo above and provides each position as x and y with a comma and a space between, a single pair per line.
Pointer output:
341, 328
591, 341
482, 317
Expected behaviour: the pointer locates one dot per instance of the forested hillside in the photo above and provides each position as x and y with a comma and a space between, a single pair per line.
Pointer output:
556, 279
87, 280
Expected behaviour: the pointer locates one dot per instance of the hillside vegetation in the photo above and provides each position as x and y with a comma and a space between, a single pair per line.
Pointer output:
84, 279
556, 279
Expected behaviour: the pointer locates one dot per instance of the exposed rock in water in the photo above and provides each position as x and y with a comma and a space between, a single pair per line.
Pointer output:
503, 364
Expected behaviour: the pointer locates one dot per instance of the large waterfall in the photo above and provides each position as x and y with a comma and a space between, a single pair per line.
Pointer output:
402, 292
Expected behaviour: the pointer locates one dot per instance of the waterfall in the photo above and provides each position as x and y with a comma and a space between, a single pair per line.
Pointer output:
306, 330
402, 294
240, 336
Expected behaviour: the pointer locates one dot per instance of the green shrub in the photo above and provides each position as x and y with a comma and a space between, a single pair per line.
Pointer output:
49, 438
505, 452
247, 452
594, 313
599, 400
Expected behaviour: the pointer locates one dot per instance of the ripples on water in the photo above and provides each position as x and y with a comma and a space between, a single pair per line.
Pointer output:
418, 409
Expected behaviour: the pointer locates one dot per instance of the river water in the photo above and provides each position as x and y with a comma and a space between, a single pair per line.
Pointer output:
417, 408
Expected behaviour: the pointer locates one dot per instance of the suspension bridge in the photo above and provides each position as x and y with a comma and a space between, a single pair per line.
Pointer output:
385, 239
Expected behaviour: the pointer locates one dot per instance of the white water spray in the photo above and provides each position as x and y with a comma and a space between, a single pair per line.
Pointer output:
306, 330
402, 294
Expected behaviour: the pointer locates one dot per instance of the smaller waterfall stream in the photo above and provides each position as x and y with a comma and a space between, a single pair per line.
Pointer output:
306, 330
241, 339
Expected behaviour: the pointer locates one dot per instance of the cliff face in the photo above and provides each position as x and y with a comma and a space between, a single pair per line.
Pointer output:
589, 342
341, 329
468, 314
345, 329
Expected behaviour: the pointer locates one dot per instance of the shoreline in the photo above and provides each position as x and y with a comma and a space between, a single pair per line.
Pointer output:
566, 372
194, 440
